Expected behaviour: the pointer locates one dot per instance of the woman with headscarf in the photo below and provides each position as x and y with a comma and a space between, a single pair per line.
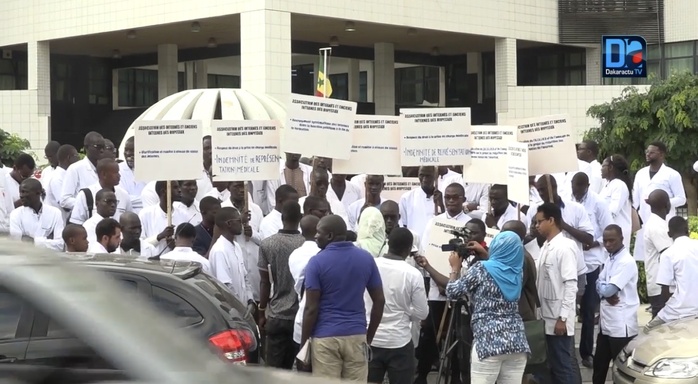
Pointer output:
371, 232
493, 286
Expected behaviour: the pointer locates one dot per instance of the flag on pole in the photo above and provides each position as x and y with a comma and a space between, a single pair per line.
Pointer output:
324, 87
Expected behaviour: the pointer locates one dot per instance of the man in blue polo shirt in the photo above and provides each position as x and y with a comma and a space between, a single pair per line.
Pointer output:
334, 317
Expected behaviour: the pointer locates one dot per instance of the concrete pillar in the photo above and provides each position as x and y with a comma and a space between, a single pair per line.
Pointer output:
504, 71
353, 79
167, 70
384, 78
442, 86
593, 65
201, 74
265, 53
189, 69
39, 87
474, 67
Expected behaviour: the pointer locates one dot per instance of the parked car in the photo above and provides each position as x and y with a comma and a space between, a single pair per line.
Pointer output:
666, 355
195, 300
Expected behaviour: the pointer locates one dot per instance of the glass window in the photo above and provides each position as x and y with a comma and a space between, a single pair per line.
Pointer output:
679, 50
10, 312
7, 76
171, 304
415, 85
100, 85
138, 87
674, 66
363, 86
340, 87
60, 82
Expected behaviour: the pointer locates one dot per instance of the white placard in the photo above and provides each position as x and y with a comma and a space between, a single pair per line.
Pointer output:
490, 233
551, 144
488, 156
395, 187
319, 126
168, 150
438, 236
375, 148
245, 150
435, 136
517, 184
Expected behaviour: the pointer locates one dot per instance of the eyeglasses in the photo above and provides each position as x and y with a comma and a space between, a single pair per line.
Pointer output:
98, 146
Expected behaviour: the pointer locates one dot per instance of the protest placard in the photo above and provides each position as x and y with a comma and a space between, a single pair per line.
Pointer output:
435, 136
490, 233
319, 126
375, 148
488, 156
437, 235
245, 150
395, 187
168, 150
551, 144
517, 183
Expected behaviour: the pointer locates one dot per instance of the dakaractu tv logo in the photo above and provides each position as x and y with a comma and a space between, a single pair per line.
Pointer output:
623, 56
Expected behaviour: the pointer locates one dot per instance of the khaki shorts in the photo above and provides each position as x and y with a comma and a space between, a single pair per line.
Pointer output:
344, 357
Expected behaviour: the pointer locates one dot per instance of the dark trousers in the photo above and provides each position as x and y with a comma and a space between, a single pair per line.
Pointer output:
607, 348
398, 363
428, 352
590, 301
656, 303
562, 360
280, 350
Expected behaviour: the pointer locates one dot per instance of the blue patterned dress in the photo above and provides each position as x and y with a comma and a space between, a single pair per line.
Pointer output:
497, 325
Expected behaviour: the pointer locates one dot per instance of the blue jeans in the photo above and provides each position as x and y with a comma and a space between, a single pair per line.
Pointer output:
590, 301
562, 360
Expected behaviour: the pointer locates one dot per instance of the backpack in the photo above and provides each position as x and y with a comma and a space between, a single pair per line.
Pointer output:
89, 201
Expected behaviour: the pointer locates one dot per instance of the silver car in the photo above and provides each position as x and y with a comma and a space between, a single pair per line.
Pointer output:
128, 341
666, 355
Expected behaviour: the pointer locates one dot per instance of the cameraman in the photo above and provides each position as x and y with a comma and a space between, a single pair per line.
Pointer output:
475, 250
428, 351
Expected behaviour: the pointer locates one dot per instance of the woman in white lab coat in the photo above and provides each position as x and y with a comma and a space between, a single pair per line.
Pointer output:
617, 195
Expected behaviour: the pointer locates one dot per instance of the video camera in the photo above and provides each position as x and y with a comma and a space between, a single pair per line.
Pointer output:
458, 243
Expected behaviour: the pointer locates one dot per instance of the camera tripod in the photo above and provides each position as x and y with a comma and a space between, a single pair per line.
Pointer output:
451, 341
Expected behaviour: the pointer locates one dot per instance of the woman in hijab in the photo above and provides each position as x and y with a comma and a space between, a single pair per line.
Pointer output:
371, 232
493, 286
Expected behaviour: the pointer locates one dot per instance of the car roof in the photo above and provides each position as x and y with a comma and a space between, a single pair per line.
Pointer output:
94, 310
183, 269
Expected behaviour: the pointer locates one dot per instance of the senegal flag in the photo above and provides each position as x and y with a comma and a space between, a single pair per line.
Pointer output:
323, 82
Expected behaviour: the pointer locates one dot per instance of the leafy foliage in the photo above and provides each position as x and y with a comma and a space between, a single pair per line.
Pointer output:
667, 112
11, 145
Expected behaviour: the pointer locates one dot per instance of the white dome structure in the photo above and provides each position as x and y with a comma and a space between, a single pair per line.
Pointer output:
210, 104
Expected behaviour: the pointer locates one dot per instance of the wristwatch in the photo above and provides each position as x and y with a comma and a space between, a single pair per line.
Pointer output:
563, 319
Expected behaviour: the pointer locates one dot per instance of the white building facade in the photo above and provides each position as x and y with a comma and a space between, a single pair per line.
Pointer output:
72, 66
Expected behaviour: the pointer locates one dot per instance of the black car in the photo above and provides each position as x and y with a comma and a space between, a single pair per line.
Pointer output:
179, 289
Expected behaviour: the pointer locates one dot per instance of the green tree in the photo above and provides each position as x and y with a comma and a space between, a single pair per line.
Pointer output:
11, 145
667, 112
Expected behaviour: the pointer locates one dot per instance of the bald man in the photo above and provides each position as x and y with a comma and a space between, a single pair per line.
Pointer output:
528, 302
51, 154
131, 243
82, 173
35, 221
335, 315
297, 263
655, 236
75, 238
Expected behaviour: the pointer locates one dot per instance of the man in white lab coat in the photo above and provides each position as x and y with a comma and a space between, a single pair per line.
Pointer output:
588, 151
557, 289
656, 175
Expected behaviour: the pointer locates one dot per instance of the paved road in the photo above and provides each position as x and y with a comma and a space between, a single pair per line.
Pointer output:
643, 318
